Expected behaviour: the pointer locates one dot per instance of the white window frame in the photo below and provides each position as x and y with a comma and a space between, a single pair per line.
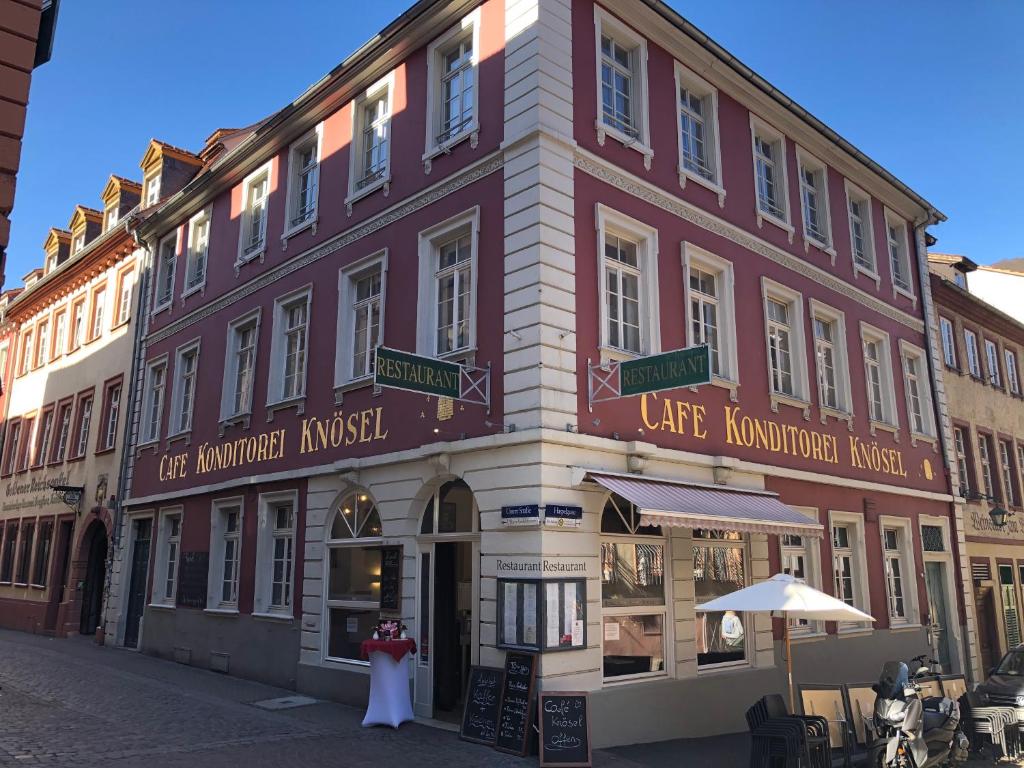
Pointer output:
77, 243
908, 569
805, 161
245, 215
948, 334
759, 128
41, 355
292, 226
910, 351
112, 414
887, 383
164, 539
266, 534
859, 563
1012, 374
855, 194
811, 553
700, 87
961, 436
147, 435
151, 189
426, 323
471, 130
794, 300
995, 377
60, 336
356, 171
841, 364
160, 303
693, 256
973, 353
279, 343
894, 220
345, 347
986, 447
1006, 470
193, 254
607, 25
227, 410
178, 393
610, 221
219, 537
111, 215
125, 288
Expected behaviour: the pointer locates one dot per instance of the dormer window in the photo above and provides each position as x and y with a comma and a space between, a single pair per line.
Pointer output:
51, 263
78, 243
151, 190
110, 218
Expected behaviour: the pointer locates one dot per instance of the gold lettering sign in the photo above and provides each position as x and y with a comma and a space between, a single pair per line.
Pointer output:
683, 418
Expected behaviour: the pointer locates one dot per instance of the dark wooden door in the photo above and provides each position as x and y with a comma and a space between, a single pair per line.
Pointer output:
95, 577
987, 632
137, 585
58, 587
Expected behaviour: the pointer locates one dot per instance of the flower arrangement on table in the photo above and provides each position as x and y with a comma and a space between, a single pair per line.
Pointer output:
389, 629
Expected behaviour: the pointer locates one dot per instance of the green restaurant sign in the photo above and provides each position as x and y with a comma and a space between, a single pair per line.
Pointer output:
416, 373
668, 370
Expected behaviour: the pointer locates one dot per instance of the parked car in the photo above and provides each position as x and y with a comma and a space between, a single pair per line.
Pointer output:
1005, 684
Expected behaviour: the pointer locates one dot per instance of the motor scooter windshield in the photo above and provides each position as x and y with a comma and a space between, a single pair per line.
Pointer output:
895, 676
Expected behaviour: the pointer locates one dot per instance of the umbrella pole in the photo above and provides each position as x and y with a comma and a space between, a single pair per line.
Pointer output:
789, 663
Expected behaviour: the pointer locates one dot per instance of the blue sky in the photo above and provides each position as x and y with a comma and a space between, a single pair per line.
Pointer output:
931, 89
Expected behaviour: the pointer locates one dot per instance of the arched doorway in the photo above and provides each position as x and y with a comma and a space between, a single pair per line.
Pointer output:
447, 600
94, 543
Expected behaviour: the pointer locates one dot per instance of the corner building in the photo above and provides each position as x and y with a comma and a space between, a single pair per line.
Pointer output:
531, 189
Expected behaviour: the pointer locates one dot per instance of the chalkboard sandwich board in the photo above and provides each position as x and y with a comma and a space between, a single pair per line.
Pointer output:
483, 702
194, 568
564, 729
391, 578
516, 716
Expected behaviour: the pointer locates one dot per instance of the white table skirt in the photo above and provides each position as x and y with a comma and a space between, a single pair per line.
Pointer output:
390, 701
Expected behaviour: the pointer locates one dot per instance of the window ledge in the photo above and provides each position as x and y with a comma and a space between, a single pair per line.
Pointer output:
837, 414
238, 419
20, 584
282, 617
778, 399
73, 459
154, 444
104, 451
298, 403
733, 387
186, 436
807, 637
194, 289
355, 195
340, 390
884, 426
725, 669
161, 308
629, 142
309, 221
821, 245
858, 270
162, 606
471, 131
916, 437
37, 586
905, 292
854, 631
782, 224
904, 627
227, 612
243, 259
685, 174
121, 324
616, 355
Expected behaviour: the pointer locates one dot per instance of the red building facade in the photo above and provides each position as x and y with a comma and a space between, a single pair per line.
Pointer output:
540, 190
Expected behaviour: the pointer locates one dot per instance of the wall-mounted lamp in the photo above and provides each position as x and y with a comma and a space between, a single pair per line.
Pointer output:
998, 515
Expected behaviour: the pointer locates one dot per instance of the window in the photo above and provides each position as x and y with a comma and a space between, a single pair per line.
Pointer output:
973, 357
711, 311
42, 559
125, 282
198, 248
878, 376
26, 353
899, 257
4, 351
985, 460
288, 347
787, 364
862, 241
77, 324
303, 179
831, 358
112, 409
153, 400
799, 559
25, 446
110, 217
371, 137
992, 363
452, 66
151, 189
78, 243
1012, 375
84, 422
275, 554
1020, 472
25, 554
448, 273
13, 443
627, 261
7, 559
919, 391
353, 576
699, 153
849, 563
898, 559
770, 174
360, 318
634, 593
44, 440
814, 200
622, 85
1008, 592
166, 265
186, 368
99, 302
1007, 470
948, 342
51, 263
225, 546
60, 334
63, 432
240, 367
165, 580
253, 234
960, 444
42, 350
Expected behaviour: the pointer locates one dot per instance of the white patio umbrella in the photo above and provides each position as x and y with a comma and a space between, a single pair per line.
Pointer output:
784, 596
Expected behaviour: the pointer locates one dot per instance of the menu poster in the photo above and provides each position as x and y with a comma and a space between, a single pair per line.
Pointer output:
542, 615
391, 578
483, 701
516, 716
564, 730
565, 611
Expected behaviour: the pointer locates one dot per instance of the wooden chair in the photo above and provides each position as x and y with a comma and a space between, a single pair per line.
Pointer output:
828, 702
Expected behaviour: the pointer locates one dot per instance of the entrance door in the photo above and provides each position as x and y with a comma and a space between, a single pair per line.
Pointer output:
142, 530
985, 605
938, 611
95, 576
59, 588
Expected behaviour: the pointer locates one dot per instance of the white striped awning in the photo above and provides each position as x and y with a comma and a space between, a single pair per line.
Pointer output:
688, 505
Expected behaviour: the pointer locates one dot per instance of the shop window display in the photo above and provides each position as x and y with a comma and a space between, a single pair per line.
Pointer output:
353, 589
719, 568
